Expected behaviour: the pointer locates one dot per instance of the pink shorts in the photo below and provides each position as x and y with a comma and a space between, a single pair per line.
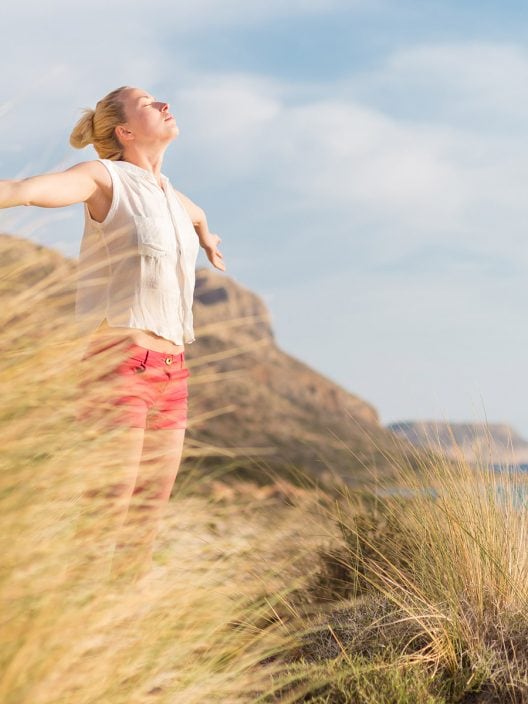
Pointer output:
146, 389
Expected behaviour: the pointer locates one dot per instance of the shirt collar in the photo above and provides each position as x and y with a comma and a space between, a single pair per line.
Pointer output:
140, 171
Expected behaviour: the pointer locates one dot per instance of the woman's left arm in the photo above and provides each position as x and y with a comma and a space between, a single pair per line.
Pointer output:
208, 240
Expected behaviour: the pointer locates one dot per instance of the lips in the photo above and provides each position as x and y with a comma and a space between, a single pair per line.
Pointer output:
170, 117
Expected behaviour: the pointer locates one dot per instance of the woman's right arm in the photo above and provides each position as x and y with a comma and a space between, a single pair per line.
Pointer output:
75, 185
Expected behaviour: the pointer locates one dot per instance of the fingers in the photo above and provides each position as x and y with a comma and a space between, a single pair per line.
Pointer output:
213, 254
218, 263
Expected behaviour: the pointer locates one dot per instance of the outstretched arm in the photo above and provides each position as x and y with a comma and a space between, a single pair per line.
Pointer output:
75, 185
208, 240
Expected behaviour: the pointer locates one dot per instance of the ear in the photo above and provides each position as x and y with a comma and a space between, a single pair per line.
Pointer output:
123, 134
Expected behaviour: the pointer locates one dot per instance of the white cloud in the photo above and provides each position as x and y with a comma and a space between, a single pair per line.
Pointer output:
490, 75
180, 16
476, 84
414, 181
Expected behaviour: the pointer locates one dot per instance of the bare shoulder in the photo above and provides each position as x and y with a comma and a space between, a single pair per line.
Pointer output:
187, 202
195, 212
179, 194
94, 170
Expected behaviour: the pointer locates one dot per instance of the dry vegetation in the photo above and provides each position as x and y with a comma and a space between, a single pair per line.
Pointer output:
428, 592
258, 593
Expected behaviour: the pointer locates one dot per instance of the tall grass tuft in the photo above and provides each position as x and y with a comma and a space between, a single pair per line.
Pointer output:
429, 588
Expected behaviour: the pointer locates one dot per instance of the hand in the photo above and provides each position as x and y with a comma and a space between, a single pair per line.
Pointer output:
213, 254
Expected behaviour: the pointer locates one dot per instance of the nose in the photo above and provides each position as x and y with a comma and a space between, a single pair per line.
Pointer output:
165, 107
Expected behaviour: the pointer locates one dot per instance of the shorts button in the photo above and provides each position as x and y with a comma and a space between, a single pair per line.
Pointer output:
168, 360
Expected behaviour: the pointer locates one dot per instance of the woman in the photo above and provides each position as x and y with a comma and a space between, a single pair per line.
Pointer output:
134, 292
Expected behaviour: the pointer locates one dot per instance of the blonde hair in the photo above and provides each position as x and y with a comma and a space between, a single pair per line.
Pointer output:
97, 126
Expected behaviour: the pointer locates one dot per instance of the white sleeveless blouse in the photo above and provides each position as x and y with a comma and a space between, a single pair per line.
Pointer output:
137, 267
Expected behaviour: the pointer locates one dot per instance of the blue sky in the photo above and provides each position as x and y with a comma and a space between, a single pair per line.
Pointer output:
365, 164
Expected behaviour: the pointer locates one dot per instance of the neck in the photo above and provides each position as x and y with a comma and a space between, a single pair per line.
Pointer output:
148, 160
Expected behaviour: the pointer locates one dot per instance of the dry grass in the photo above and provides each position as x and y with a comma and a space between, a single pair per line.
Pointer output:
206, 624
429, 591
419, 595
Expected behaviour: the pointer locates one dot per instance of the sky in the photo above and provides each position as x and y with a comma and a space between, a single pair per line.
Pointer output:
364, 162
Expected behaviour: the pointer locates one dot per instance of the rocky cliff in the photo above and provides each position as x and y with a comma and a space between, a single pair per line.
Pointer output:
251, 403
477, 442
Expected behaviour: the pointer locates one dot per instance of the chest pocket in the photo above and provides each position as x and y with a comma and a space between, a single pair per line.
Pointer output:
155, 236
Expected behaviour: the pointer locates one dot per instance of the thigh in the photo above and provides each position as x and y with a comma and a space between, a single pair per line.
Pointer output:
160, 462
110, 477
112, 468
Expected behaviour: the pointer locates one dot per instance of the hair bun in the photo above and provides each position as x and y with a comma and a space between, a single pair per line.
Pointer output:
83, 133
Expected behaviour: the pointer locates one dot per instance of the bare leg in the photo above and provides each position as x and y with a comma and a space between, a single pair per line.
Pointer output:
160, 462
105, 501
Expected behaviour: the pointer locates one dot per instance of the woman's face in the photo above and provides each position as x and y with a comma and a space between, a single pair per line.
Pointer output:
148, 119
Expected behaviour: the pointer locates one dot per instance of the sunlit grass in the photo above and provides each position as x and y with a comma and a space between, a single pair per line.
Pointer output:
430, 590
205, 624
415, 592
